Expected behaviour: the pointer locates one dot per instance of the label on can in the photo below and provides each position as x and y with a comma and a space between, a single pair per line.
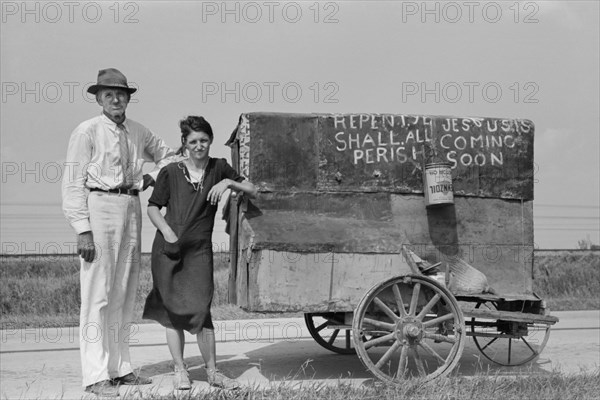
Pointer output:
437, 180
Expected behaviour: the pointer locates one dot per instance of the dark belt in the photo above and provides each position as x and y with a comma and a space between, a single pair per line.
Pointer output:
131, 192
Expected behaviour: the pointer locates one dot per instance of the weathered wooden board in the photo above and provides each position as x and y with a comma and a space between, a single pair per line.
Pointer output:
279, 153
510, 316
354, 274
244, 258
316, 282
490, 157
305, 222
232, 225
326, 189
289, 281
493, 235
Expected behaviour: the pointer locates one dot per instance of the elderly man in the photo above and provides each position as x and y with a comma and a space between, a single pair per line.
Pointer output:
100, 201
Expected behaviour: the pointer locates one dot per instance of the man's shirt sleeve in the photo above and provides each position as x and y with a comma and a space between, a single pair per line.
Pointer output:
158, 152
74, 192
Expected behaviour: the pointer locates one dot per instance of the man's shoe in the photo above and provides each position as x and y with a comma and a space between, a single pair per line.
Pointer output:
216, 378
132, 379
103, 388
182, 379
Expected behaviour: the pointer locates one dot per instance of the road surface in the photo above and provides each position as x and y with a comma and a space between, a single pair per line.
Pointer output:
44, 362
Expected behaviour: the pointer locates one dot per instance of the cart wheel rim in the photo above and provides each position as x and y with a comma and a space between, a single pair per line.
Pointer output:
339, 341
504, 348
416, 321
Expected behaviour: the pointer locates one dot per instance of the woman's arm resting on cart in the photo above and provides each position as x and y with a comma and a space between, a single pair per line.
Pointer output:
217, 191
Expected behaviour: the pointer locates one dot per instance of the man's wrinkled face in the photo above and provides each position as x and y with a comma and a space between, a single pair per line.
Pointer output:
114, 102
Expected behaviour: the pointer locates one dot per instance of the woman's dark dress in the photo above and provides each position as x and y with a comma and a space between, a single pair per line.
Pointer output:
182, 272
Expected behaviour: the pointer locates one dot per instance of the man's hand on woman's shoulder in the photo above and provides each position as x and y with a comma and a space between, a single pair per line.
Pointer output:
148, 181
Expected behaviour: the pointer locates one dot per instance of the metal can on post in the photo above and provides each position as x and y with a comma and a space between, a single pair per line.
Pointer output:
437, 184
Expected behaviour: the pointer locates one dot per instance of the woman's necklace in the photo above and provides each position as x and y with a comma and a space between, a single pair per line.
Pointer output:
196, 178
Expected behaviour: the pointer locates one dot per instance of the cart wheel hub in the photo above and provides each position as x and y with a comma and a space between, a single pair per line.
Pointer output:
412, 331
409, 329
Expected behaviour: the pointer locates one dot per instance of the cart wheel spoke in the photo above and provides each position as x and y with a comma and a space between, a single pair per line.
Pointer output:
322, 326
431, 351
530, 348
378, 324
348, 339
414, 300
438, 320
383, 307
428, 306
388, 354
489, 344
399, 301
379, 340
402, 363
418, 361
333, 336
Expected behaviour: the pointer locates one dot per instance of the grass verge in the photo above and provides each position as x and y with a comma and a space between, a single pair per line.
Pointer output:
43, 290
551, 386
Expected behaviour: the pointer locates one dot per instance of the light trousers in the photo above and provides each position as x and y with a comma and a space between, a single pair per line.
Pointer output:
108, 286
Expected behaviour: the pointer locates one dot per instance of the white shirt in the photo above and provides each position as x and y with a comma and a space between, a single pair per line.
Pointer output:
94, 161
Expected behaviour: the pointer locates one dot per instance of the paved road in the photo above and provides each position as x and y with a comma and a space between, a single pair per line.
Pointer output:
44, 363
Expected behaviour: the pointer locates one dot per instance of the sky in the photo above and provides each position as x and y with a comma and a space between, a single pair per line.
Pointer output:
511, 59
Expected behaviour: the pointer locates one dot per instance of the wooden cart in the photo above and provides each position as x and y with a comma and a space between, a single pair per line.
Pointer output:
340, 231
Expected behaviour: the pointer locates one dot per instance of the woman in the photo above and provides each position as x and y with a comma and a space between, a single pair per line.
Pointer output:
182, 259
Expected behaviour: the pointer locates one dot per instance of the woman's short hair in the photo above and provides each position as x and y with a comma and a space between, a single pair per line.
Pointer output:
191, 124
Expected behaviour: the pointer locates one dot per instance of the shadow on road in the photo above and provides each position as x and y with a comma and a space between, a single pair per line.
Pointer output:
306, 360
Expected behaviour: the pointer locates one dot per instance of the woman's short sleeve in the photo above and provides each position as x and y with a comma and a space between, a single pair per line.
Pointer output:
162, 190
227, 171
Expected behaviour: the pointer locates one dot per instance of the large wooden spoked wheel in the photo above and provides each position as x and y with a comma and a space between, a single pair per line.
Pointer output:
329, 331
409, 327
508, 343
